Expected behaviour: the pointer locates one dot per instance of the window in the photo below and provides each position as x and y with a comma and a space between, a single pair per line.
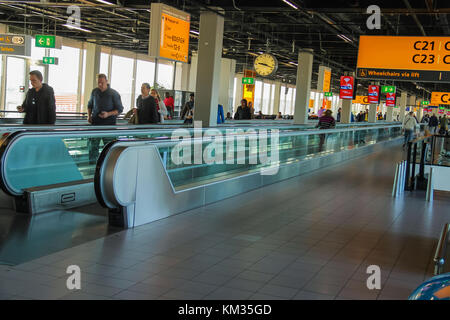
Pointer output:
145, 72
122, 79
165, 75
64, 78
266, 98
288, 101
283, 100
258, 94
15, 78
234, 93
83, 80
294, 93
272, 98
104, 64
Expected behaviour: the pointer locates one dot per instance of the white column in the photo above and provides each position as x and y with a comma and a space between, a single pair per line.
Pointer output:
210, 47
239, 93
372, 117
403, 98
389, 114
185, 70
346, 110
92, 57
227, 72
304, 72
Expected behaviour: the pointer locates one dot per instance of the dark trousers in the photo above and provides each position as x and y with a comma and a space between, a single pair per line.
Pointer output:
95, 149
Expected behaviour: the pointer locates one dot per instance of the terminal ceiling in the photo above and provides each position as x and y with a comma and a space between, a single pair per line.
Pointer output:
330, 28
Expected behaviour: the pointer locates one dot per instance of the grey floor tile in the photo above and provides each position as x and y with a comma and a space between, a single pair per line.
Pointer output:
279, 291
261, 296
133, 295
197, 287
213, 278
176, 294
224, 293
244, 284
256, 276
307, 295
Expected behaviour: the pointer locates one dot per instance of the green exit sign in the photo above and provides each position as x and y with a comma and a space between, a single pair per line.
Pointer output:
425, 103
248, 81
388, 89
49, 60
328, 94
45, 41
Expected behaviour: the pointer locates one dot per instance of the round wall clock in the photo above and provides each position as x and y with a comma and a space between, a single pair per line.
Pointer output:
266, 65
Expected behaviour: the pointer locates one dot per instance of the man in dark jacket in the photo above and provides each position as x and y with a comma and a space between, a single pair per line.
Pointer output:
188, 107
103, 108
146, 106
243, 112
39, 104
433, 124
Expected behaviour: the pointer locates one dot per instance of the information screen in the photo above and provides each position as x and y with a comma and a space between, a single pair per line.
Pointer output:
404, 58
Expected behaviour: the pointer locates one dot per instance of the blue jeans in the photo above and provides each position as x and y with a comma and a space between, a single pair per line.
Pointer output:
408, 136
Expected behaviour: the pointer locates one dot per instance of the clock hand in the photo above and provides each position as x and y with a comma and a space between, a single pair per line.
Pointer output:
263, 64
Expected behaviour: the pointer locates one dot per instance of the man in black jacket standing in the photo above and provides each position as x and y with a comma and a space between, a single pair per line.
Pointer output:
433, 124
39, 104
103, 108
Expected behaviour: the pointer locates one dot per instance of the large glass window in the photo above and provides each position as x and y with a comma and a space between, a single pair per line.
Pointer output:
15, 79
83, 80
289, 101
294, 92
165, 75
258, 94
234, 93
266, 98
104, 63
283, 100
272, 98
145, 72
122, 79
64, 78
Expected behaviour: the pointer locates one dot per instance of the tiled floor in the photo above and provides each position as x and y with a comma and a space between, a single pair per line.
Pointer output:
310, 237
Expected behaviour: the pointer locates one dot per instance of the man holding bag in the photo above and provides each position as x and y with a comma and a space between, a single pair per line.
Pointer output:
409, 125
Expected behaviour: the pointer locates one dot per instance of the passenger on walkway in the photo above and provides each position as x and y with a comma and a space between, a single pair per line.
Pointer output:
325, 122
189, 106
409, 125
229, 116
39, 104
170, 104
161, 107
279, 116
260, 115
360, 117
338, 117
146, 111
220, 116
443, 125
243, 112
103, 108
433, 124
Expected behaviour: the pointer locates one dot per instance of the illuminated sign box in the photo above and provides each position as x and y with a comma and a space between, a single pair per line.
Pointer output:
404, 58
438, 98
15, 44
169, 33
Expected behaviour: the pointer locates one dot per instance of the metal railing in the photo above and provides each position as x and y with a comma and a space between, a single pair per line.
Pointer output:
441, 250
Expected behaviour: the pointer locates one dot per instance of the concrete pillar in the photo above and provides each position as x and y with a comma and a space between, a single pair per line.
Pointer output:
276, 100
346, 111
390, 114
185, 70
239, 93
210, 47
403, 98
193, 72
227, 72
92, 57
372, 117
304, 72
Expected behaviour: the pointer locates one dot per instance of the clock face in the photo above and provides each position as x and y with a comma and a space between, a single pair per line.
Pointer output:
266, 64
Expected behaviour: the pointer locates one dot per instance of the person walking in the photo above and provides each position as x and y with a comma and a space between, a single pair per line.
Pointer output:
325, 122
188, 107
409, 125
104, 106
433, 124
170, 104
39, 105
243, 112
146, 109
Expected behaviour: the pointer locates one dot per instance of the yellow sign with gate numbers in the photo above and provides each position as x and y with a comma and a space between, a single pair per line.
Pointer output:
438, 98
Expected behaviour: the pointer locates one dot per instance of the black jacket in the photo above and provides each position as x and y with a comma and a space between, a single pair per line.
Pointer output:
147, 112
433, 121
108, 101
40, 107
243, 113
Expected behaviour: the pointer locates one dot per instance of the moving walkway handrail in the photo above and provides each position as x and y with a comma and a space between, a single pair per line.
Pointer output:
441, 249
13, 138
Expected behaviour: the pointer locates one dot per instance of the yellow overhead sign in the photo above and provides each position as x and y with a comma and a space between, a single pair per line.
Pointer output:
361, 100
326, 81
438, 98
169, 33
404, 58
